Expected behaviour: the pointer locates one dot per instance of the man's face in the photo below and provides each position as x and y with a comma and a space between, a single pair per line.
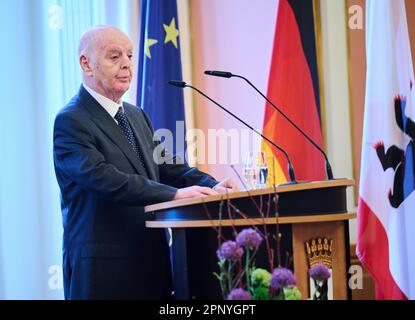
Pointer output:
110, 63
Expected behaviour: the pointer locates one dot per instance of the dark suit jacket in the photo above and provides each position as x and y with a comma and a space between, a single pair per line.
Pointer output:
107, 251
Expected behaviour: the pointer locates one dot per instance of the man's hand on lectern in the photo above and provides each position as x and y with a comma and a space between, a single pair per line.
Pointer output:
225, 186
194, 192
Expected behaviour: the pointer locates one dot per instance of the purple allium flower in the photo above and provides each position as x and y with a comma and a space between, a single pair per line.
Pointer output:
319, 272
230, 250
249, 238
239, 294
282, 278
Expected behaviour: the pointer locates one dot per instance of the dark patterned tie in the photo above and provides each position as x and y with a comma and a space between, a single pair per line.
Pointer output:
128, 132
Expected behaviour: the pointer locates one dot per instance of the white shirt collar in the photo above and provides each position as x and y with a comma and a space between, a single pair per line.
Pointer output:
110, 106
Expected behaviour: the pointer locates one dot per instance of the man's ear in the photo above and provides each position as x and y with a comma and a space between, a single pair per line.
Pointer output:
85, 65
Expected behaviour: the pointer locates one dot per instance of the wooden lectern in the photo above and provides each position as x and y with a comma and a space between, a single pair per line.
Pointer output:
306, 212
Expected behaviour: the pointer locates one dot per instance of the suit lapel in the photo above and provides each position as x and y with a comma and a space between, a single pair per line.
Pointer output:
139, 132
110, 128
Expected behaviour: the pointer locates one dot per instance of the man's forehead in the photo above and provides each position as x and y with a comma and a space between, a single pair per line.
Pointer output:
113, 38
99, 38
114, 47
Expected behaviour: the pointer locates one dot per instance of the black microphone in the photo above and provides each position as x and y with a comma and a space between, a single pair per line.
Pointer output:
222, 74
182, 84
225, 74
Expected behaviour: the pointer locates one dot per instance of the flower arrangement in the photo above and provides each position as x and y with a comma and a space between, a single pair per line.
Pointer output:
320, 275
239, 278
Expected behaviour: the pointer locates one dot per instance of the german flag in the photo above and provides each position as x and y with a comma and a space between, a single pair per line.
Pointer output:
294, 87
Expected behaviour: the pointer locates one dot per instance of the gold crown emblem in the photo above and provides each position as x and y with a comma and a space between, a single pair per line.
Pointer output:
320, 250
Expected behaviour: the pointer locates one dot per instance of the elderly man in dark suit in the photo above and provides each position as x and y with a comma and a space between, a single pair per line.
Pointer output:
106, 170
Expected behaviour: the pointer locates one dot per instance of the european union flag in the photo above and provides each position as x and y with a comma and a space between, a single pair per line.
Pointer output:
159, 62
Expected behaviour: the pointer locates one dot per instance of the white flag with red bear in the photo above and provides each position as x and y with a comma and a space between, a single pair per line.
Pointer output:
386, 212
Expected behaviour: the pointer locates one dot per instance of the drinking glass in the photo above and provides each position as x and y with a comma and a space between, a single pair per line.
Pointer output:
248, 171
255, 170
262, 169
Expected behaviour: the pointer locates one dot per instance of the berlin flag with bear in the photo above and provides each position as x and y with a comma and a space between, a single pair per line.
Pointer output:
386, 213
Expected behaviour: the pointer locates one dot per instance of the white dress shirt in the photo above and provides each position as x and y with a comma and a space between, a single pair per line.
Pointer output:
110, 106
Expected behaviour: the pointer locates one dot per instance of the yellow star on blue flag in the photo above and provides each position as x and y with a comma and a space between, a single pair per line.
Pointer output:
171, 32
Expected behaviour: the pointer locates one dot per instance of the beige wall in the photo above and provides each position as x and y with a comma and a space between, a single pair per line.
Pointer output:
336, 95
357, 73
236, 36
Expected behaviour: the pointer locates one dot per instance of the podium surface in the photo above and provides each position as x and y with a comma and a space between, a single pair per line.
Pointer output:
303, 212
